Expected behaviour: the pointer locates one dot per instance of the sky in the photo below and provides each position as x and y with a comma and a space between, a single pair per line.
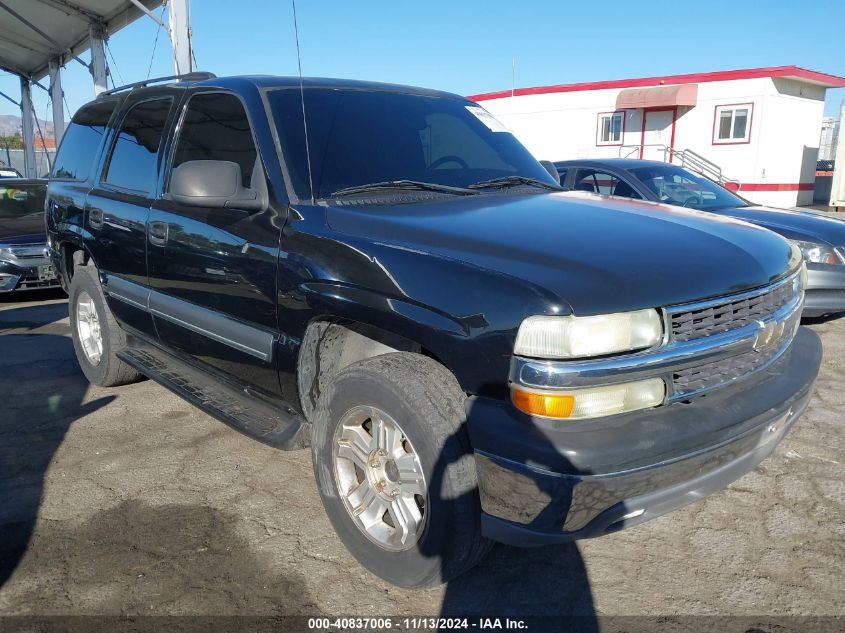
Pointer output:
467, 46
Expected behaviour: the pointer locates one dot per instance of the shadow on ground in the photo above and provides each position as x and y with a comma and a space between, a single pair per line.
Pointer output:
33, 295
46, 395
514, 582
149, 560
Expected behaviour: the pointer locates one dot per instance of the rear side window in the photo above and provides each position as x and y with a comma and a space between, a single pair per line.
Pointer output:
215, 127
603, 183
132, 164
595, 181
82, 140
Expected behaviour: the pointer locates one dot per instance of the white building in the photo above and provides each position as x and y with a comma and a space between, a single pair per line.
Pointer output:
758, 127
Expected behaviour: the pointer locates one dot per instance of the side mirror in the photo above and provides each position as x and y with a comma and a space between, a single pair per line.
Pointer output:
215, 184
550, 167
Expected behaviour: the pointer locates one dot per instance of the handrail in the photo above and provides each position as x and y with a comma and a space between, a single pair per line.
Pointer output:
688, 159
195, 76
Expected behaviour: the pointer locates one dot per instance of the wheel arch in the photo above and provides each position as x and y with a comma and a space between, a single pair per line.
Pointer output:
72, 255
331, 343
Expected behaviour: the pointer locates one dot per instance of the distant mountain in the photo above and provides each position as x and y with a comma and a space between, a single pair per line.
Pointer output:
11, 125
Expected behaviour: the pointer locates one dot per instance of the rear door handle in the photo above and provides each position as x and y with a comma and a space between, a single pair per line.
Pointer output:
158, 233
95, 218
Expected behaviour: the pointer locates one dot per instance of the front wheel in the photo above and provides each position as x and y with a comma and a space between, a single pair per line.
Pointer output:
395, 469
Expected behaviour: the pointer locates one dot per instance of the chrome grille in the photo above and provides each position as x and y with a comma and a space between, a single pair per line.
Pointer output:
692, 380
712, 318
29, 251
703, 377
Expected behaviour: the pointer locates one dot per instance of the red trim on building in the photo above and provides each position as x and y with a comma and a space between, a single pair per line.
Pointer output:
713, 139
766, 186
829, 81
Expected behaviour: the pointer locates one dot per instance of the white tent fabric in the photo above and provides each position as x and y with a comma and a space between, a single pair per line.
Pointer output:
34, 31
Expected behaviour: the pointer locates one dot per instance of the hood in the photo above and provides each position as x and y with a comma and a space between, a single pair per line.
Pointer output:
23, 230
597, 254
793, 224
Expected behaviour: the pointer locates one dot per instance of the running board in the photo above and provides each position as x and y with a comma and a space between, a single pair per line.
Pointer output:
239, 409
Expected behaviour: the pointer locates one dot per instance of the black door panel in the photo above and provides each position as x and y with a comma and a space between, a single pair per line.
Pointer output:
213, 270
117, 209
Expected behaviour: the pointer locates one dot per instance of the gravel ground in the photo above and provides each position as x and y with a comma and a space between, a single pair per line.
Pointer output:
130, 501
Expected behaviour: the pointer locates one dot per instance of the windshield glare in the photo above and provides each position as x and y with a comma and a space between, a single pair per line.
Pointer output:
17, 201
677, 186
361, 137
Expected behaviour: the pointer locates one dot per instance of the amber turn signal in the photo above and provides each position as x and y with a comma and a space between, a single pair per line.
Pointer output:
545, 404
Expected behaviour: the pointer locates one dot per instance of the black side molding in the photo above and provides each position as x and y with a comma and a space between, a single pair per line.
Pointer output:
223, 329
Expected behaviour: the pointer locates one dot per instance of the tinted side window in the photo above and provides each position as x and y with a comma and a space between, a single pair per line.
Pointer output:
594, 181
82, 140
133, 160
215, 127
603, 183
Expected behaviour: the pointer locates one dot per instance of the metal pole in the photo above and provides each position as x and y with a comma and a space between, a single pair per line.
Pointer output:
837, 187
147, 12
26, 127
180, 36
57, 98
99, 66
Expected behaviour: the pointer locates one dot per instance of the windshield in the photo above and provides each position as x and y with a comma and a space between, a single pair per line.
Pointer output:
358, 137
674, 185
18, 201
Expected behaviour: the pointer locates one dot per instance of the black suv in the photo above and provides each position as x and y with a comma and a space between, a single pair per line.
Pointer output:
386, 274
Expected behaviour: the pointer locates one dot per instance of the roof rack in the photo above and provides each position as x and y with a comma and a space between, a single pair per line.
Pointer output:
195, 76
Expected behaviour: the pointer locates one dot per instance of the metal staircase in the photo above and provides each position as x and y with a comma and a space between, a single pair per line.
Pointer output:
688, 159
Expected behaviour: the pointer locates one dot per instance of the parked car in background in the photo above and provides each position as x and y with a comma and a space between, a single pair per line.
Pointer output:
820, 238
470, 353
24, 258
10, 172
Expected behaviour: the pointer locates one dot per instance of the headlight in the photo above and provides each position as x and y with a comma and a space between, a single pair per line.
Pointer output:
6, 254
584, 337
591, 402
818, 253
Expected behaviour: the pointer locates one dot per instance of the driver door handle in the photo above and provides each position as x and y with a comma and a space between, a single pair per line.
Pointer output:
157, 232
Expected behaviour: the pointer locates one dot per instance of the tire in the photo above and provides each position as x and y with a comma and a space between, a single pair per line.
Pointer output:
109, 370
425, 402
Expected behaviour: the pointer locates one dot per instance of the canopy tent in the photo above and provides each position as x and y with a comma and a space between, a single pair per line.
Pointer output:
39, 37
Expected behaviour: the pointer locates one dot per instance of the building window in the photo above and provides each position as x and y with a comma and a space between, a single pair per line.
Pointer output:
611, 128
733, 123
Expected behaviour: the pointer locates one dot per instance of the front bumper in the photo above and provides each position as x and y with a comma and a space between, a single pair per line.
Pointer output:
825, 290
26, 275
543, 482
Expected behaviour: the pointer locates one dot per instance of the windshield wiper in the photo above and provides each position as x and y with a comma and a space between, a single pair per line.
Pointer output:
514, 181
403, 185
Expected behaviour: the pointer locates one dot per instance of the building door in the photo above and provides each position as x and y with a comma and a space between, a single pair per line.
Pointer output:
658, 133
